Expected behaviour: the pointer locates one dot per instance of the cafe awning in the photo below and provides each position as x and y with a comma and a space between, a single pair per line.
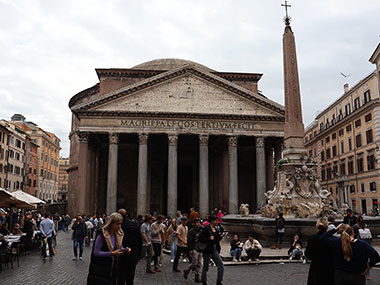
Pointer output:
7, 200
23, 196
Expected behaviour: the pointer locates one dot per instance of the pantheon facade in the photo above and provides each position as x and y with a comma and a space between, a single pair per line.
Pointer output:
171, 134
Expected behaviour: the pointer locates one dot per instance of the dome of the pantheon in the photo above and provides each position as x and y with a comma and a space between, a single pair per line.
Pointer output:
168, 64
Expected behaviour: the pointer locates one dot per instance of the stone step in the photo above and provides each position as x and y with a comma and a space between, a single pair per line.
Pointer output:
261, 257
262, 261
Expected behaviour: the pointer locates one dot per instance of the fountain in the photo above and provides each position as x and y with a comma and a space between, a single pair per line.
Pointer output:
297, 193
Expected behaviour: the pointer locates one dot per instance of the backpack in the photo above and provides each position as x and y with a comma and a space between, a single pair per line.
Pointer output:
200, 246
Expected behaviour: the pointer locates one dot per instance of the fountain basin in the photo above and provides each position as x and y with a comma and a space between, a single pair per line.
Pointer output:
263, 228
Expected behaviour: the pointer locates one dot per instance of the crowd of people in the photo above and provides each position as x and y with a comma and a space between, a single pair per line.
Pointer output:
339, 254
123, 242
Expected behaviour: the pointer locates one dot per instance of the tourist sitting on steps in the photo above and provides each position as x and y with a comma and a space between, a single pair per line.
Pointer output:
253, 248
236, 248
295, 251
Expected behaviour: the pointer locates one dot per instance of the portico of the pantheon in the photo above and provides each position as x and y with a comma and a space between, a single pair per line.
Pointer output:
171, 134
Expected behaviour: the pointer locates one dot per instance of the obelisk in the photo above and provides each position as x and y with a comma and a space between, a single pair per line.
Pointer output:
294, 128
297, 193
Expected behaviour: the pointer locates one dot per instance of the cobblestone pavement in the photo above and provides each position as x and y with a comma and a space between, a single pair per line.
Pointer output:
63, 270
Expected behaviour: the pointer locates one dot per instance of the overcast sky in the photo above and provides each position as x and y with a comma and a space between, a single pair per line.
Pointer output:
49, 49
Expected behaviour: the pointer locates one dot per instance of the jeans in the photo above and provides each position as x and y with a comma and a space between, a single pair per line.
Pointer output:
157, 252
236, 253
146, 250
50, 247
195, 262
206, 262
297, 253
173, 249
79, 241
180, 250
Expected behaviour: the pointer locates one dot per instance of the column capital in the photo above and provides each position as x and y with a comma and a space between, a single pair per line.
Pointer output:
260, 142
143, 138
84, 137
232, 141
203, 140
113, 138
173, 139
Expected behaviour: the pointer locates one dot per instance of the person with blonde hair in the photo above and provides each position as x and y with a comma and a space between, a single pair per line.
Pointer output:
105, 252
353, 258
321, 270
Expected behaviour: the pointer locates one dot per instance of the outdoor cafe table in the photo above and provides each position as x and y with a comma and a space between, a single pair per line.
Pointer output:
13, 239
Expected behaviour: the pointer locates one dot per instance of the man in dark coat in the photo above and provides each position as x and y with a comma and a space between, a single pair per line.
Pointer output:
132, 239
350, 218
322, 267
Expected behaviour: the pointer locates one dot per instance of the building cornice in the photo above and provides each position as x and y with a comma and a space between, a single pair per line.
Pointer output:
84, 93
178, 115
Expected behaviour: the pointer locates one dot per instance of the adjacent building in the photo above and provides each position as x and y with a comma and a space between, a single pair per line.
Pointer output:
4, 133
15, 173
32, 162
63, 185
344, 142
47, 164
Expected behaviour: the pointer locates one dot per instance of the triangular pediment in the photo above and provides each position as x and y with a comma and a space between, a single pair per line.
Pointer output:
188, 91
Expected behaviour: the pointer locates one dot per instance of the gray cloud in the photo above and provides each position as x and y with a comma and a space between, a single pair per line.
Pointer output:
49, 49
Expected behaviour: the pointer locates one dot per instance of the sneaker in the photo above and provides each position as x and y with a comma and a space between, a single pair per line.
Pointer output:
157, 269
171, 260
304, 261
75, 259
176, 270
80, 258
150, 271
45, 258
185, 260
249, 260
234, 259
290, 258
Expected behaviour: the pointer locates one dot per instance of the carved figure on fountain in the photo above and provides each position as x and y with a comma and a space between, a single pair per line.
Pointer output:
299, 194
244, 210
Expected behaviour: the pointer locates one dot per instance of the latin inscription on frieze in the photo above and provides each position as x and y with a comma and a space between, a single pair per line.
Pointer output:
187, 124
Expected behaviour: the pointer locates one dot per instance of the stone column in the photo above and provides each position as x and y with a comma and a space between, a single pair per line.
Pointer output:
112, 173
269, 167
260, 172
172, 175
233, 175
278, 152
142, 180
203, 176
82, 195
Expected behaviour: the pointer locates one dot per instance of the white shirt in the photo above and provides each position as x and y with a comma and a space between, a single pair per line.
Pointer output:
250, 245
